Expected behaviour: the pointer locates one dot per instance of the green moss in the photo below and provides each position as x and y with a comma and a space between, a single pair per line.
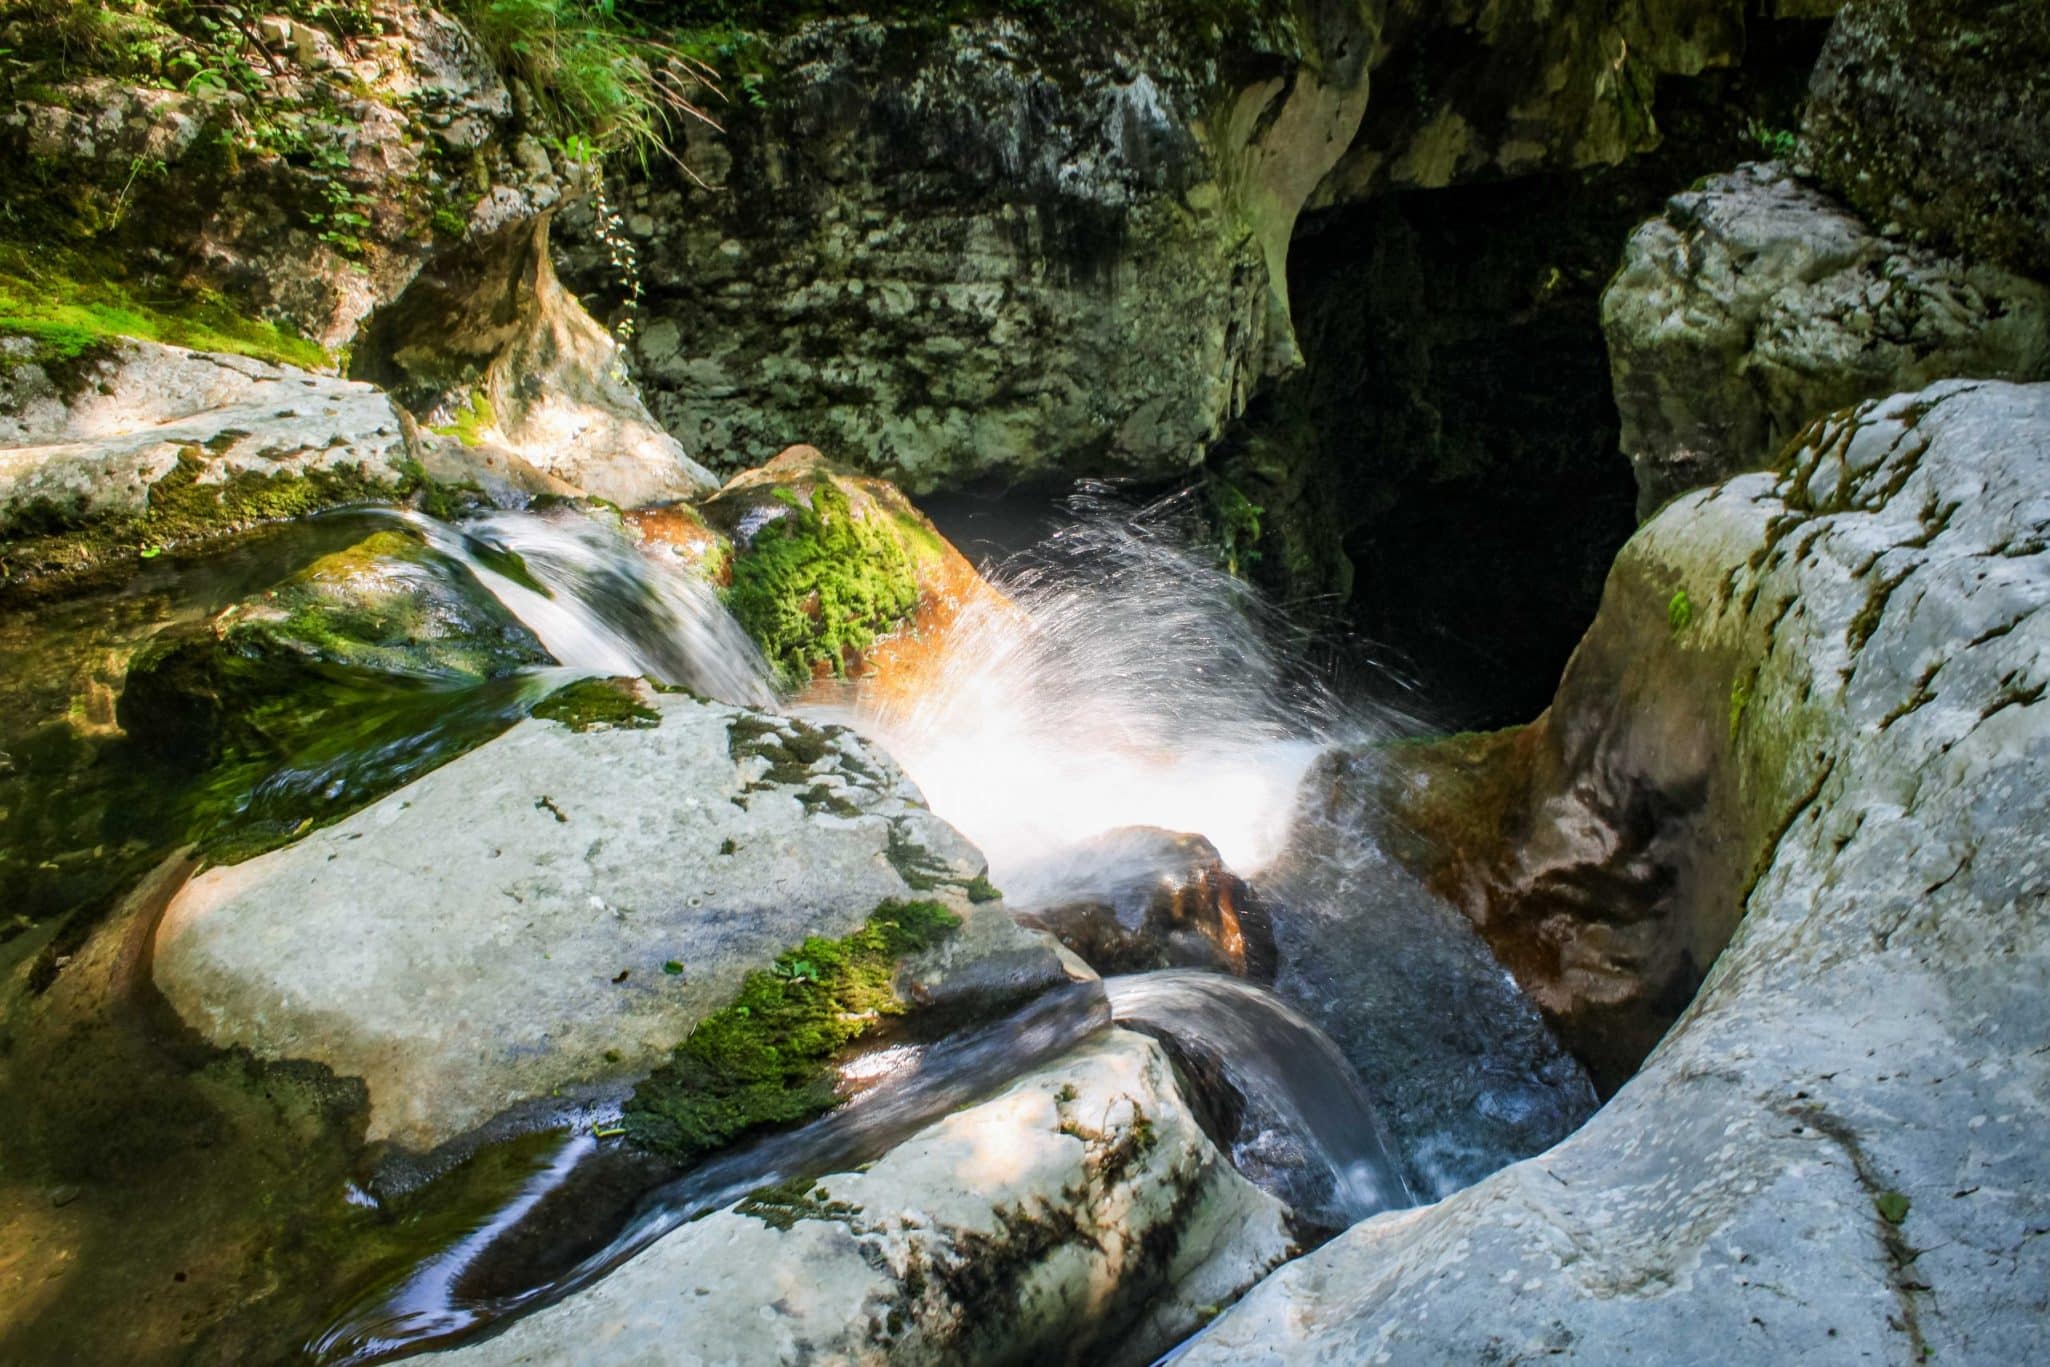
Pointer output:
981, 890
593, 704
70, 305
783, 1205
818, 586
765, 1059
51, 541
1679, 611
472, 420
1236, 520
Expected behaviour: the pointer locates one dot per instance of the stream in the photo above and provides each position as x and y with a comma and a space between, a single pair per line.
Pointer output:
1126, 684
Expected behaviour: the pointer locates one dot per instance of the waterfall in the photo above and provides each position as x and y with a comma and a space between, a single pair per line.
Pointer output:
1128, 681
600, 607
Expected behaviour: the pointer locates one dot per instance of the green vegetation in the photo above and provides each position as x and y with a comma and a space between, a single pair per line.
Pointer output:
766, 1058
594, 704
472, 420
819, 585
1237, 522
70, 306
1679, 611
1780, 144
597, 75
1892, 1206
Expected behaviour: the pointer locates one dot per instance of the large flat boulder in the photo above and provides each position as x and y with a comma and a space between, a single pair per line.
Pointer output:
1812, 712
1079, 1215
561, 906
1756, 303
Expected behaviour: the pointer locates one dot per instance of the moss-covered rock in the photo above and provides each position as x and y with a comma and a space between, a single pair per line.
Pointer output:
386, 605
300, 705
826, 565
1933, 115
652, 871
765, 1059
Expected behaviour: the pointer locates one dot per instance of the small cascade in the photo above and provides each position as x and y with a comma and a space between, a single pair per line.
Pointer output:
1128, 682
601, 607
1304, 1127
475, 1283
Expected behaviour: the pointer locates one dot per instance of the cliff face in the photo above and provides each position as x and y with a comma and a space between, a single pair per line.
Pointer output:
305, 170
1014, 244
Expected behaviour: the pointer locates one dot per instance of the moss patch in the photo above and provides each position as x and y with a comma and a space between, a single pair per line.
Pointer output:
766, 1058
69, 306
819, 585
599, 704
471, 421
53, 541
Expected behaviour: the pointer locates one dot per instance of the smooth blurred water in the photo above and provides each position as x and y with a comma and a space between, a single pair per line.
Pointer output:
599, 606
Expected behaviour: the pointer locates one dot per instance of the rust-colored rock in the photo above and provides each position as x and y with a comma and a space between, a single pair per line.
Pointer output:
1140, 898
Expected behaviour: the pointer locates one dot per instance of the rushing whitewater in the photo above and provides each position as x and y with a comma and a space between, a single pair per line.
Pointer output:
1126, 683
600, 607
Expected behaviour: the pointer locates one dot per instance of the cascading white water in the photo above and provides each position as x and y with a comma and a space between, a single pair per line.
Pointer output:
601, 607
1128, 683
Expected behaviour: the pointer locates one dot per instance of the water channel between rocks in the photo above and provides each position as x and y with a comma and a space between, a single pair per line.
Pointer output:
1367, 1054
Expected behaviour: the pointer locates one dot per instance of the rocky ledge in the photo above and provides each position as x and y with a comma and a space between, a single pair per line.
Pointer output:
1810, 720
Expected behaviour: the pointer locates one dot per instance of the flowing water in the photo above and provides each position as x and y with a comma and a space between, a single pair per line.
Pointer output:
1130, 682
1125, 683
600, 607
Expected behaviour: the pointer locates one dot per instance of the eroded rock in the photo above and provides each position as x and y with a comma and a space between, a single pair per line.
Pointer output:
1836, 754
1933, 115
1756, 304
504, 927
1079, 1214
145, 447
1141, 898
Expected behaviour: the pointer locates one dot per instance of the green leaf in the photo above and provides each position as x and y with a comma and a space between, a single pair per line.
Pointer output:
1892, 1206
672, 968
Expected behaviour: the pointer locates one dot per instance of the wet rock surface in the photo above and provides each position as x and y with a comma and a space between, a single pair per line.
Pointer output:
1757, 303
1141, 898
1460, 1065
1079, 1214
909, 253
146, 446
1834, 1151
505, 927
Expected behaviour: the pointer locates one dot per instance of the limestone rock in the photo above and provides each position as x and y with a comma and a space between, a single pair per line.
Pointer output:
1756, 304
319, 238
1471, 91
1080, 1214
837, 575
492, 352
1933, 114
1842, 758
993, 246
177, 445
500, 928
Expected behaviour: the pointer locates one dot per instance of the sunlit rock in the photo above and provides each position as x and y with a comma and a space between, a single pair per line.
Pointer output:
836, 575
1809, 721
1140, 898
138, 448
1079, 1213
506, 926
1756, 304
